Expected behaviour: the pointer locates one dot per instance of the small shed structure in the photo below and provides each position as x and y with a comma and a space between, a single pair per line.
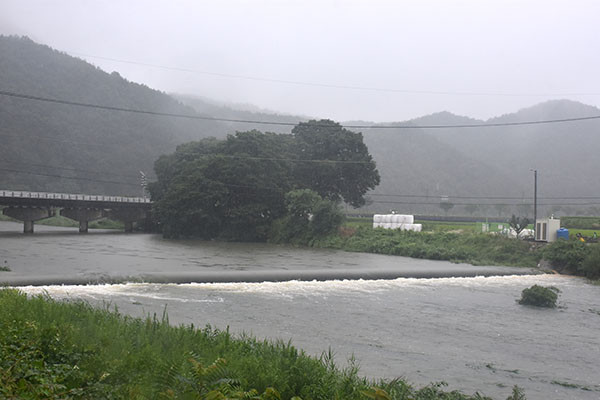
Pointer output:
546, 229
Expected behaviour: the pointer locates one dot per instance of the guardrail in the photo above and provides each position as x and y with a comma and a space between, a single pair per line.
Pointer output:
71, 196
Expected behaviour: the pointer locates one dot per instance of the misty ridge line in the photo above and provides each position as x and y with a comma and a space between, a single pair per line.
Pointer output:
332, 86
263, 122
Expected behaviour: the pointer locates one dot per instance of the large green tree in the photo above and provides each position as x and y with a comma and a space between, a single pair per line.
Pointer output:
235, 188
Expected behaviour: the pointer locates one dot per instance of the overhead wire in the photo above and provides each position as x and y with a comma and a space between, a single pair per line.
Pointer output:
263, 122
328, 85
67, 177
89, 171
485, 204
112, 108
373, 201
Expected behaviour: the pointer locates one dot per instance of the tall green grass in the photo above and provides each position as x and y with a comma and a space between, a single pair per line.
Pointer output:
473, 248
70, 350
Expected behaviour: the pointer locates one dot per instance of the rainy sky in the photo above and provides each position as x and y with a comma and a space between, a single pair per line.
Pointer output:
345, 60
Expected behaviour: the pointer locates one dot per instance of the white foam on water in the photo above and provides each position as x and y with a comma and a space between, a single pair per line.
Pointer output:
291, 288
103, 291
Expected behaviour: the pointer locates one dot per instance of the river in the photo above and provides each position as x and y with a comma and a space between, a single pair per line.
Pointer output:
467, 331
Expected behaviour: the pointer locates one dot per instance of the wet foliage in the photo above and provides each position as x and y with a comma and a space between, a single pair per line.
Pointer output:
539, 296
477, 249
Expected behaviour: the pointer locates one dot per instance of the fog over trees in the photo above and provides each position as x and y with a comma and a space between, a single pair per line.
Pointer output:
65, 148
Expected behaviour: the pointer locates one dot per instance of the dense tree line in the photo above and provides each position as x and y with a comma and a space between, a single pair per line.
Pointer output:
238, 187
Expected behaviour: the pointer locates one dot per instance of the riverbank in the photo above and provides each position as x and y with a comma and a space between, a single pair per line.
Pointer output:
70, 350
470, 248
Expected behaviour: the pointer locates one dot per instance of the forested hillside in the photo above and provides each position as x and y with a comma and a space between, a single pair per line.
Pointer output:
565, 154
56, 147
96, 151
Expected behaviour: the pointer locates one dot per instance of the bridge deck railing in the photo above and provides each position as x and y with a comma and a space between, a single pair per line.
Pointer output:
71, 196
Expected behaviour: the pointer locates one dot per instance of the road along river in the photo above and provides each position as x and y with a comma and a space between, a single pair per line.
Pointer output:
468, 331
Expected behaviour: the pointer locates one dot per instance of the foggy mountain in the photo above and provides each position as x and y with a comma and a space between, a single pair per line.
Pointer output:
91, 144
210, 107
46, 140
565, 154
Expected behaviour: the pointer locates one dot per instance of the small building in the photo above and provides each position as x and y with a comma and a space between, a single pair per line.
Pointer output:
546, 229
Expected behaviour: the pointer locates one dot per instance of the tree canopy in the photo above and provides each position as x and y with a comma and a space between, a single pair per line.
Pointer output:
350, 172
236, 188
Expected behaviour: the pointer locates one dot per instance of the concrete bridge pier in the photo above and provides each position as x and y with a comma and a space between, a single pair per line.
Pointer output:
83, 215
28, 215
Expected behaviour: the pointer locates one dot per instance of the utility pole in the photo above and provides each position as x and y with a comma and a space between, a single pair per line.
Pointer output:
143, 183
534, 200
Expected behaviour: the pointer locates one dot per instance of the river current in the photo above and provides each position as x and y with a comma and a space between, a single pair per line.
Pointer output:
467, 331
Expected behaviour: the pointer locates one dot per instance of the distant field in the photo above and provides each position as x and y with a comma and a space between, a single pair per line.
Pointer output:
435, 226
583, 225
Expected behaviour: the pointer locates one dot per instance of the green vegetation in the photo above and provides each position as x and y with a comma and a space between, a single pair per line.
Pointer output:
444, 226
70, 350
435, 226
308, 216
539, 296
591, 223
518, 224
5, 267
517, 394
566, 255
234, 189
590, 267
478, 249
462, 242
574, 257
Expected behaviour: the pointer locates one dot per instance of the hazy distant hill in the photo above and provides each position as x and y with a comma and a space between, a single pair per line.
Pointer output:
96, 145
565, 154
226, 111
55, 139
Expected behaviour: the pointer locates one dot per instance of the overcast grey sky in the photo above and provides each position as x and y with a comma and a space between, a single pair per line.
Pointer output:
513, 53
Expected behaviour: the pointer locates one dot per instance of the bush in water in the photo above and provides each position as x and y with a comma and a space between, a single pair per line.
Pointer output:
539, 296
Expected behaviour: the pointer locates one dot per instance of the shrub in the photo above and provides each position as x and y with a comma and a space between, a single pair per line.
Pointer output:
539, 296
590, 267
308, 217
566, 254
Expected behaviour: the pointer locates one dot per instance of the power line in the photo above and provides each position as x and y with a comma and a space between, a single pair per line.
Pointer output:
483, 197
10, 162
279, 188
484, 204
419, 196
68, 177
247, 121
70, 141
293, 160
331, 86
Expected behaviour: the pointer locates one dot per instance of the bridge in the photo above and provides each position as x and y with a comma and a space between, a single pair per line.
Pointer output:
34, 206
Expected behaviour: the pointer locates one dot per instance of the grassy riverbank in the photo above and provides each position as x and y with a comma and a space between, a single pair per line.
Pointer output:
52, 350
472, 248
